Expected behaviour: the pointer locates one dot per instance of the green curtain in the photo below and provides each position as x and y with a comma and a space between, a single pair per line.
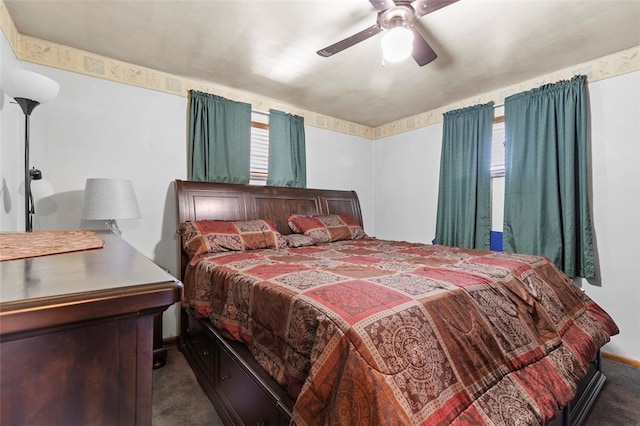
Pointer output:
219, 139
546, 209
464, 194
287, 157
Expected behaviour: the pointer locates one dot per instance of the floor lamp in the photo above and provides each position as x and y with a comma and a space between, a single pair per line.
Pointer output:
29, 90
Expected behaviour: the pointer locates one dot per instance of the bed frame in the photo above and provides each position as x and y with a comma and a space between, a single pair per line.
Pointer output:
240, 390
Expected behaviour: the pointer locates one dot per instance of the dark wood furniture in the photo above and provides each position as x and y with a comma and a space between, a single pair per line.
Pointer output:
159, 350
76, 334
241, 391
201, 200
577, 412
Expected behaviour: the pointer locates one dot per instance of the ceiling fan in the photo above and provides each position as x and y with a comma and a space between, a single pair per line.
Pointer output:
392, 15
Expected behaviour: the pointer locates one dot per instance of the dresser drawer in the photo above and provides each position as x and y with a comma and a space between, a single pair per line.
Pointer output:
200, 345
241, 392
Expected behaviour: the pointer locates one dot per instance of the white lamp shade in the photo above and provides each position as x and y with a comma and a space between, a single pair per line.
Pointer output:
397, 44
19, 83
40, 188
108, 199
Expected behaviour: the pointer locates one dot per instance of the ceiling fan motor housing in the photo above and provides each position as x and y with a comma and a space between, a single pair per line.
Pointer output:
402, 13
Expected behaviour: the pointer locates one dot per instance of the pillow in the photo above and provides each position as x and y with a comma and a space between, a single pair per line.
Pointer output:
299, 240
323, 229
213, 236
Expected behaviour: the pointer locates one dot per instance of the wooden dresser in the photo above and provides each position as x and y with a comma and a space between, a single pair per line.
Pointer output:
76, 333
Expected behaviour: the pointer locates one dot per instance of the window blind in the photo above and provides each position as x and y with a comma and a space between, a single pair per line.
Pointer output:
259, 162
497, 148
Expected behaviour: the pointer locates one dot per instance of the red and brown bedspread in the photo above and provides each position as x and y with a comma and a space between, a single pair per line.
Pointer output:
378, 332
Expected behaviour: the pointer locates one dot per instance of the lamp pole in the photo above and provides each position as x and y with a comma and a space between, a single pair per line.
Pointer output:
28, 106
29, 89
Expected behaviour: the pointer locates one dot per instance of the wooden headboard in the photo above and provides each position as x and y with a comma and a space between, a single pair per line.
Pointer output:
224, 201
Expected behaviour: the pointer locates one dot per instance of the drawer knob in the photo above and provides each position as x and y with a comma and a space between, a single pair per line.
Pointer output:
205, 352
223, 377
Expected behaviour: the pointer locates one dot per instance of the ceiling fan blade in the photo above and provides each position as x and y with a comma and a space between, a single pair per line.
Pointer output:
349, 41
424, 7
422, 52
382, 5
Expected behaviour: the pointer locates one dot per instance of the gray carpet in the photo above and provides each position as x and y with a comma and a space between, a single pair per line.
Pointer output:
619, 402
179, 400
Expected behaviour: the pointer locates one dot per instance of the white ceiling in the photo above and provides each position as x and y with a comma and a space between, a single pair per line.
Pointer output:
268, 47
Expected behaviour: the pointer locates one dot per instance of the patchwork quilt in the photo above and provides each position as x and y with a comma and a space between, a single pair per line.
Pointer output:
370, 331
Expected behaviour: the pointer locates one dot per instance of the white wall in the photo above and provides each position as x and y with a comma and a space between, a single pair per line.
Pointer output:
406, 171
99, 128
10, 159
339, 161
615, 159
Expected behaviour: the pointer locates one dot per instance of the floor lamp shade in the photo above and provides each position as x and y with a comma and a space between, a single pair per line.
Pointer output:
19, 83
108, 200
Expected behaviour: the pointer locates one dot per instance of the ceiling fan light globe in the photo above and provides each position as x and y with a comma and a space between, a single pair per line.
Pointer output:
397, 44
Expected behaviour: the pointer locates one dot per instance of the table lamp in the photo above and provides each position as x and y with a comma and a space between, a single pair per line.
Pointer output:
109, 200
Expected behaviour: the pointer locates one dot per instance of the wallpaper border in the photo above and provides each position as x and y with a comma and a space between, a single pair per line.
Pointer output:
609, 66
47, 53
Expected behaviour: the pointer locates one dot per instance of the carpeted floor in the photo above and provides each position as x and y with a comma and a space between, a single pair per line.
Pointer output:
179, 400
619, 402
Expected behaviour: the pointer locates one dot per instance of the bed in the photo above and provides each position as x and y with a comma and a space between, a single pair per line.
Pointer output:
286, 329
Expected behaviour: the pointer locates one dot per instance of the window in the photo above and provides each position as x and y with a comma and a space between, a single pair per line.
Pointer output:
259, 163
497, 145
